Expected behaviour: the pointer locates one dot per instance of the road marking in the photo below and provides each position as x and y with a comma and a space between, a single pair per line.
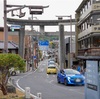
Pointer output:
74, 90
47, 76
54, 75
22, 88
51, 81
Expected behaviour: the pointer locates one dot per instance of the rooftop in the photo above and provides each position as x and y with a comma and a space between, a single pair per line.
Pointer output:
11, 45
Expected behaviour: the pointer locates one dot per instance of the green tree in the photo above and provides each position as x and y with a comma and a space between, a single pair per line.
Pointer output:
7, 61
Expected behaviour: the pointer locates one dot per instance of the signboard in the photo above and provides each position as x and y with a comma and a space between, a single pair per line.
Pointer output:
34, 57
92, 83
43, 45
12, 27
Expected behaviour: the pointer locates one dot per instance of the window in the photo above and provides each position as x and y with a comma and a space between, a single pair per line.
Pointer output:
87, 5
89, 43
96, 41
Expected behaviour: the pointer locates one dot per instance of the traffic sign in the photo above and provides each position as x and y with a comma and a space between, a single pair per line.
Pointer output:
15, 26
34, 57
12, 27
43, 45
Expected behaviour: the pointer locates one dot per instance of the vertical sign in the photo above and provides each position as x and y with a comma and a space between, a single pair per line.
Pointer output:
92, 82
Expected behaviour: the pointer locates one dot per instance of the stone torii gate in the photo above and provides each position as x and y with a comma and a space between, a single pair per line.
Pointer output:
41, 23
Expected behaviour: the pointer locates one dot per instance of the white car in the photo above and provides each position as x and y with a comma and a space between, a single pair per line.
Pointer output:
51, 62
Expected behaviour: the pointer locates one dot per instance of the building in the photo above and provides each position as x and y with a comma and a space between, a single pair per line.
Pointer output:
88, 29
70, 48
12, 42
12, 47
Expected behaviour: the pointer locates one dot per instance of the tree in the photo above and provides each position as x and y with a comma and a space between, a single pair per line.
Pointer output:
7, 61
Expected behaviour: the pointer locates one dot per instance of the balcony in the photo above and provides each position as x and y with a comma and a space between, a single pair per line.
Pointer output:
93, 7
94, 29
89, 52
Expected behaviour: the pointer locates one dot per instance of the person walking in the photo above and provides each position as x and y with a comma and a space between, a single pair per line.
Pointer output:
79, 68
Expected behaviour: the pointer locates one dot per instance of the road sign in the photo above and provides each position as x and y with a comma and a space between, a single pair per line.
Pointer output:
15, 26
34, 57
12, 27
43, 45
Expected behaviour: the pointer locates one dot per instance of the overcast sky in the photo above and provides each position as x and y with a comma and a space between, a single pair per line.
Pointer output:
56, 7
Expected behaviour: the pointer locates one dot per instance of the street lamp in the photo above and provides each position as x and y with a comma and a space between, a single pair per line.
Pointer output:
70, 16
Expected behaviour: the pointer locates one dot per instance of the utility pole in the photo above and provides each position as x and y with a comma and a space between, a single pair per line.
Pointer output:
32, 45
5, 29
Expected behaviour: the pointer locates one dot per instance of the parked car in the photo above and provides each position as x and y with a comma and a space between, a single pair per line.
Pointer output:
13, 72
70, 76
51, 69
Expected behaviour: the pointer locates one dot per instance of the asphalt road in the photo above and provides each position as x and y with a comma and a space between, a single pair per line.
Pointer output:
40, 82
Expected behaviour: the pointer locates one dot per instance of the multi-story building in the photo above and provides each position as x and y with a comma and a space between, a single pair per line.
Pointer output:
88, 29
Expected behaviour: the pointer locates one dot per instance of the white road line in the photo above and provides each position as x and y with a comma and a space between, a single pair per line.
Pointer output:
74, 90
47, 76
22, 88
51, 81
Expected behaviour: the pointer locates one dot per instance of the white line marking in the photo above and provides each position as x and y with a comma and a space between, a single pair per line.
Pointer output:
22, 88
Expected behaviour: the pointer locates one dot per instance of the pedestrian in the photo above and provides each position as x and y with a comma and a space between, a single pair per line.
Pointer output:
79, 68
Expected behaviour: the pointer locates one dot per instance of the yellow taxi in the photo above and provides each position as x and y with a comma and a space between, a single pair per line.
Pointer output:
51, 69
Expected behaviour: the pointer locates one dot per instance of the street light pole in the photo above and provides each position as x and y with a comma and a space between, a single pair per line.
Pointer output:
5, 29
71, 61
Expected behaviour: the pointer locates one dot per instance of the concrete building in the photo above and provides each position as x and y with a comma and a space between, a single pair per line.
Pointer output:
68, 50
88, 29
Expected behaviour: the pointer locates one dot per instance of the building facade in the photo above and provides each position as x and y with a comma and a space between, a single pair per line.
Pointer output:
88, 29
70, 48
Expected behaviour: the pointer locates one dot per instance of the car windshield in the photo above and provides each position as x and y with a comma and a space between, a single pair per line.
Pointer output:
71, 71
51, 62
51, 67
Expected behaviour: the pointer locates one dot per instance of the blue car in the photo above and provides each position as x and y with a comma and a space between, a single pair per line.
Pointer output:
70, 76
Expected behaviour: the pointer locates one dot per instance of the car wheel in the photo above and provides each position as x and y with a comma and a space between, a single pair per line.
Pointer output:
65, 82
58, 80
13, 73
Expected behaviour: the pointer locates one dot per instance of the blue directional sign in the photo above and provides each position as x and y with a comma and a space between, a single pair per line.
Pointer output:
34, 57
43, 45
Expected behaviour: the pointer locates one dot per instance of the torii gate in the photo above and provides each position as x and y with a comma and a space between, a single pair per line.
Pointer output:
43, 23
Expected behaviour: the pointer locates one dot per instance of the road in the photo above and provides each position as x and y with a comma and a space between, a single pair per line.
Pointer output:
39, 81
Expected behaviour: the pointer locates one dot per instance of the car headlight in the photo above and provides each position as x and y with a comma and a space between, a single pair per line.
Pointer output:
83, 78
68, 78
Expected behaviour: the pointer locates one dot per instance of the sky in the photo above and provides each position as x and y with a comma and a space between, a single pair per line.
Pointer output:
56, 8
